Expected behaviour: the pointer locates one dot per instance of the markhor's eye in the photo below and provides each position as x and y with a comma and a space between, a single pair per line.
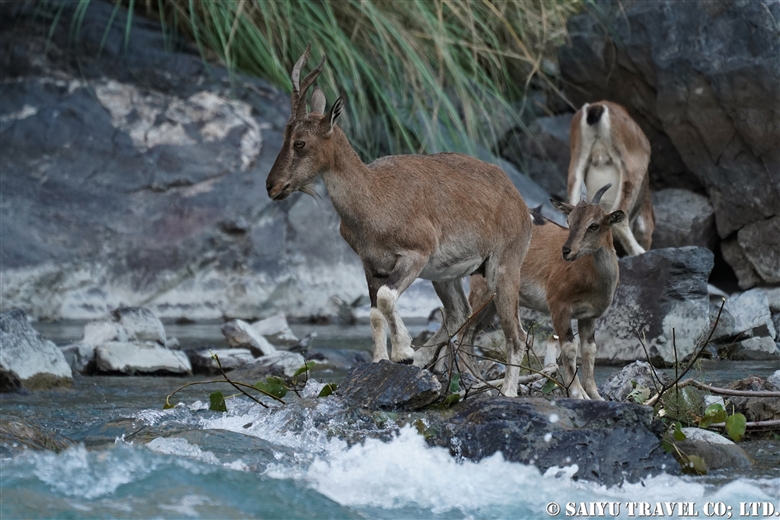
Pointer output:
593, 227
299, 144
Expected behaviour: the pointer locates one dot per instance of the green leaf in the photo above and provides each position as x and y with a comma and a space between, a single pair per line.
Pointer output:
693, 465
217, 402
455, 384
735, 426
678, 433
713, 414
667, 446
272, 387
167, 406
548, 386
451, 400
304, 368
327, 390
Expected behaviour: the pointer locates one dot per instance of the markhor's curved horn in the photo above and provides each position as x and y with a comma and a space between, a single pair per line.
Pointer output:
600, 193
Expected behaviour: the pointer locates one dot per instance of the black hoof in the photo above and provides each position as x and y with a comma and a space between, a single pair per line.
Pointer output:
407, 361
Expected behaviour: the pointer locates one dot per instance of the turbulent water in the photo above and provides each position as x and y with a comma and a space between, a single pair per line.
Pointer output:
134, 459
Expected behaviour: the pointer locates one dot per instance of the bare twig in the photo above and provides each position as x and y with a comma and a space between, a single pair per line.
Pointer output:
238, 387
451, 336
771, 424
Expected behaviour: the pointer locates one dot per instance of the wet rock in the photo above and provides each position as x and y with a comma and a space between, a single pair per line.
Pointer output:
28, 361
276, 330
702, 105
754, 349
717, 451
230, 358
660, 291
638, 376
608, 442
80, 357
337, 359
172, 343
18, 435
389, 386
141, 324
140, 358
278, 363
683, 218
241, 334
756, 408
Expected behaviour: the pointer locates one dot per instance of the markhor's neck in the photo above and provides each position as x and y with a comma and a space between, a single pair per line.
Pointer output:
349, 182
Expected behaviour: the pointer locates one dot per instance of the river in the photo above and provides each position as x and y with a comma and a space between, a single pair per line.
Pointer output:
136, 460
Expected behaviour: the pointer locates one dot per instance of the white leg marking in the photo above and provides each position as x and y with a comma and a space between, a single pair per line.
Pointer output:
400, 339
379, 334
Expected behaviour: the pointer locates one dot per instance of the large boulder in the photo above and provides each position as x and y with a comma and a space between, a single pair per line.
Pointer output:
241, 334
662, 298
141, 324
140, 358
28, 361
392, 386
276, 329
18, 435
600, 441
683, 218
717, 451
710, 110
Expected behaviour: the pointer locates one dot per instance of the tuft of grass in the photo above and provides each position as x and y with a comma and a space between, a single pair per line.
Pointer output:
417, 75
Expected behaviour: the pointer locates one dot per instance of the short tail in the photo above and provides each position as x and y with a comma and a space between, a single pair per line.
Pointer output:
594, 114
536, 215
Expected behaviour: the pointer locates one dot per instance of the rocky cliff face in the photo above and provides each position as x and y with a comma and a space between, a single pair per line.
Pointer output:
135, 176
702, 78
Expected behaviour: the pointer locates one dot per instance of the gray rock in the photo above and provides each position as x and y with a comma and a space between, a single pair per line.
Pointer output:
241, 334
80, 357
736, 258
141, 324
542, 152
709, 110
754, 349
158, 159
750, 311
683, 218
389, 386
138, 358
774, 380
755, 408
761, 243
717, 451
172, 343
18, 435
773, 297
609, 442
28, 360
661, 293
101, 331
638, 375
279, 363
230, 359
276, 330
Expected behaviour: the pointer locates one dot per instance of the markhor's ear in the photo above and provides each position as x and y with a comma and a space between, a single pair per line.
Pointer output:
318, 101
335, 112
562, 206
616, 217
